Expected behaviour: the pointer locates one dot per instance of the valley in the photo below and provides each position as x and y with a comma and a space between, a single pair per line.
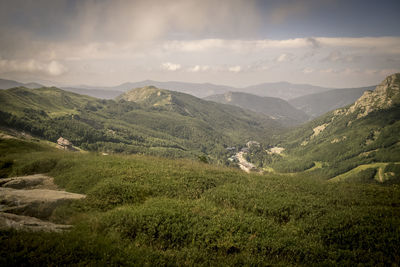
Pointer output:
160, 176
160, 122
199, 133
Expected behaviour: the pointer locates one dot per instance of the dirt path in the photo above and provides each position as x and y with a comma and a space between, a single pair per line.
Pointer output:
244, 164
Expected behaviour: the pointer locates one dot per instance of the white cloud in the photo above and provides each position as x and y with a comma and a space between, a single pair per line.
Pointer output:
361, 42
329, 71
336, 56
170, 66
285, 57
235, 69
52, 68
202, 45
308, 70
218, 60
199, 68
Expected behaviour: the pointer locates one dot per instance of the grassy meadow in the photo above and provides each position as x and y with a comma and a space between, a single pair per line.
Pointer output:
143, 210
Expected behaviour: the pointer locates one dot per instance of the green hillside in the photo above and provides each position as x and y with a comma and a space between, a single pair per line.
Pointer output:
276, 108
143, 210
360, 134
171, 124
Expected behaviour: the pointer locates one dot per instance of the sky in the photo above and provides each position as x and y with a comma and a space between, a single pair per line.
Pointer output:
332, 43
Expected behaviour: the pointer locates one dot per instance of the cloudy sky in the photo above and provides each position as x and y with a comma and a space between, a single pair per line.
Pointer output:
333, 43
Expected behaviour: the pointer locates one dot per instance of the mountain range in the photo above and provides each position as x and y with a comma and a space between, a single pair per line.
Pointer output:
312, 100
6, 84
282, 90
318, 104
276, 108
144, 120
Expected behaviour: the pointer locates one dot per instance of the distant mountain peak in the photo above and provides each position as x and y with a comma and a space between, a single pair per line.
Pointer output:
385, 96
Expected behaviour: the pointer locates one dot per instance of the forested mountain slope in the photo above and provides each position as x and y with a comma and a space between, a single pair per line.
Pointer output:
363, 133
169, 124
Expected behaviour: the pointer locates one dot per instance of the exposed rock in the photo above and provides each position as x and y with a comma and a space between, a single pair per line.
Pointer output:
275, 150
339, 112
337, 140
38, 203
6, 136
25, 200
252, 143
244, 164
19, 222
317, 130
384, 96
63, 143
37, 181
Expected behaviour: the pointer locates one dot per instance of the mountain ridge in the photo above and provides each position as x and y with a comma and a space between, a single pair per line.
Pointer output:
6, 84
284, 90
319, 103
276, 108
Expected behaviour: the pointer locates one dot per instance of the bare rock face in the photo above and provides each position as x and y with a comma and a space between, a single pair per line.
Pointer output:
385, 96
26, 201
26, 223
38, 203
37, 181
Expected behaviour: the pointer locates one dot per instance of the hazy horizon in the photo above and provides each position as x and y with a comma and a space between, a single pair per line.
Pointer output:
238, 43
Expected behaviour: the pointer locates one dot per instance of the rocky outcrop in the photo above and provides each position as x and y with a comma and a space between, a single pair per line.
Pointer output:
65, 144
38, 203
385, 96
37, 181
28, 200
26, 223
